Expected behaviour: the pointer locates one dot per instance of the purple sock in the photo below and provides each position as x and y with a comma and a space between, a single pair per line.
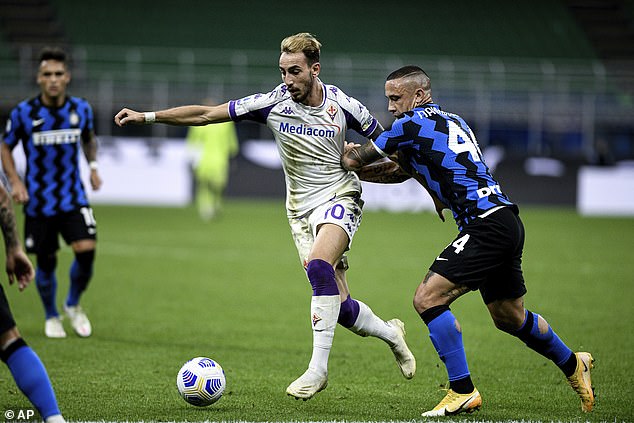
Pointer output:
348, 312
322, 278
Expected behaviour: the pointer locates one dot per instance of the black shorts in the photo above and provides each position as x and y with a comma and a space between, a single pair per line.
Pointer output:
41, 234
6, 318
487, 255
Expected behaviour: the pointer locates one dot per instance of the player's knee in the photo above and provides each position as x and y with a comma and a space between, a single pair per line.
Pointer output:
321, 275
508, 315
507, 322
46, 262
424, 299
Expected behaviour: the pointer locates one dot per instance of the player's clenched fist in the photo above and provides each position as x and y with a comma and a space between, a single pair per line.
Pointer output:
126, 116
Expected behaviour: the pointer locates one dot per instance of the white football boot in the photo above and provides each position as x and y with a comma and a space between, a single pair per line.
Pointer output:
404, 357
307, 385
53, 328
78, 320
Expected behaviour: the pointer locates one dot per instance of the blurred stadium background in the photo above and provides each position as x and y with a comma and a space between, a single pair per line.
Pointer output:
547, 85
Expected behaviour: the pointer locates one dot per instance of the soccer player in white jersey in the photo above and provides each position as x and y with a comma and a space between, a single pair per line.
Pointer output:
309, 120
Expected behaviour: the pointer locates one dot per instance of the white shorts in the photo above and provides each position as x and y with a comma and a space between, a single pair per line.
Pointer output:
344, 211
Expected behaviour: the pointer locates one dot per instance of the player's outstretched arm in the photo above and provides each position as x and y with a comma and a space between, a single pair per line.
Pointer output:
192, 115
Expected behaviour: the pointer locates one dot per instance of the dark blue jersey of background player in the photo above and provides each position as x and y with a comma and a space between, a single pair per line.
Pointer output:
51, 139
441, 152
52, 128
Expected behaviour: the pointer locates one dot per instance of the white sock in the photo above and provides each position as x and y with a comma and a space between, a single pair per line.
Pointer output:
324, 311
369, 324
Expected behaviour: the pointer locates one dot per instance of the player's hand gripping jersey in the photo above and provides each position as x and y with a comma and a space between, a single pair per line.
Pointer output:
310, 141
51, 138
440, 151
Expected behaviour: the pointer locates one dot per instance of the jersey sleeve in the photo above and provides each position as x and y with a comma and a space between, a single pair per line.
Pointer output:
393, 139
256, 107
13, 130
358, 117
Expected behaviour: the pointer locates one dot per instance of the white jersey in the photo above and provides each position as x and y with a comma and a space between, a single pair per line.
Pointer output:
310, 141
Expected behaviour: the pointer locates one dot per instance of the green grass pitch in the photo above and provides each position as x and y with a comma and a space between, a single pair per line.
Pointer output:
168, 288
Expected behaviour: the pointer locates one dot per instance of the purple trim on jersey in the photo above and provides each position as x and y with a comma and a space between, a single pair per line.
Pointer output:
371, 128
355, 125
348, 313
260, 115
325, 94
232, 110
322, 278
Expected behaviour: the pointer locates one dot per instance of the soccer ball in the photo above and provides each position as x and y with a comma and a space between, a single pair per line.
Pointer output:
201, 381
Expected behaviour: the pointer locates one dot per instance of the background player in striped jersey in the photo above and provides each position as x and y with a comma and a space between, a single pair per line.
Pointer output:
52, 128
309, 120
440, 151
24, 364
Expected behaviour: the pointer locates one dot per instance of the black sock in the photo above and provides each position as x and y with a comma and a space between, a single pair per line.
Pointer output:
569, 365
462, 386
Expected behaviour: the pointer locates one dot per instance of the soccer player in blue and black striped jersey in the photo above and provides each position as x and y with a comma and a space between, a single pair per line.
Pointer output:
440, 151
52, 128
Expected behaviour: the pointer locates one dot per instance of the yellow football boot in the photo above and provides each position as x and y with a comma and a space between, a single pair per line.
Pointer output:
581, 382
455, 403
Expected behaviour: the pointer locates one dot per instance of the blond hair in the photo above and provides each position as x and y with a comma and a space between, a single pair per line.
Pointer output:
303, 42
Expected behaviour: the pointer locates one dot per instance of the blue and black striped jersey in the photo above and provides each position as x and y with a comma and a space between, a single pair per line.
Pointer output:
440, 151
51, 138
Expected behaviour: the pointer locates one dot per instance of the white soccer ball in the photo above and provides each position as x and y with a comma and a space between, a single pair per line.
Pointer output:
201, 381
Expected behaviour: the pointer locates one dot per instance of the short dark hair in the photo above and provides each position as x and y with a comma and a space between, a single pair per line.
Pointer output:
406, 71
53, 53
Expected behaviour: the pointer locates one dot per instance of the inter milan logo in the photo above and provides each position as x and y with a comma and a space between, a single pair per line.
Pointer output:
73, 119
332, 112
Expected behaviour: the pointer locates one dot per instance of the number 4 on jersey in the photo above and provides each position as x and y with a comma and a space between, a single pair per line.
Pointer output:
460, 243
468, 143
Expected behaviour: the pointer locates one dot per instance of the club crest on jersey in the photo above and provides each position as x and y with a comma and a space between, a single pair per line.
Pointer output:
332, 111
73, 119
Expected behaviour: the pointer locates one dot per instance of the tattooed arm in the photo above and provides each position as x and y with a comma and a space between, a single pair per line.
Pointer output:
384, 171
371, 166
18, 266
356, 156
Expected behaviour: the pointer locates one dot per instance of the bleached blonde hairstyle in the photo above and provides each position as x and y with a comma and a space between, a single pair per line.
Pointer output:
303, 42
